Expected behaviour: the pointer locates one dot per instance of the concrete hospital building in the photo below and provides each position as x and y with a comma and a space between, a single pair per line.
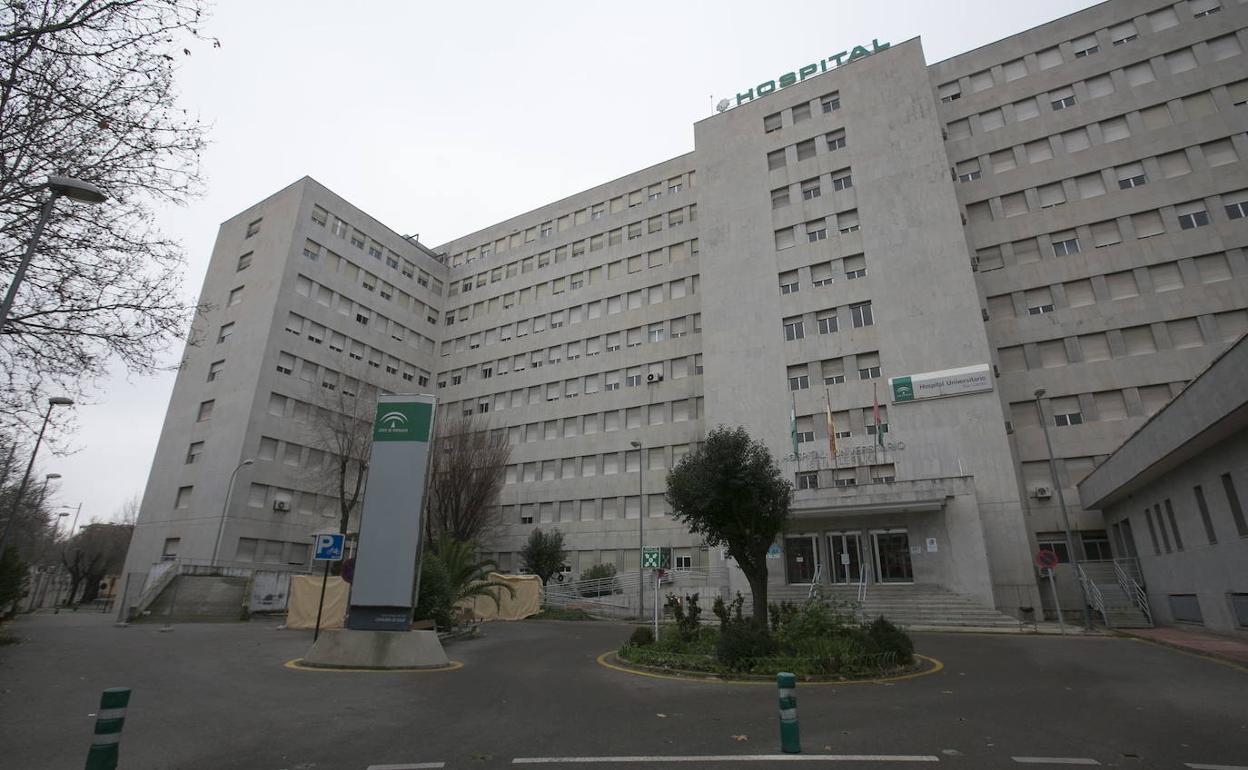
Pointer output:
1063, 209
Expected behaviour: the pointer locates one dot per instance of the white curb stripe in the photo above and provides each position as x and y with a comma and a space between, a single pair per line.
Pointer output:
1055, 761
416, 766
119, 713
1199, 766
730, 758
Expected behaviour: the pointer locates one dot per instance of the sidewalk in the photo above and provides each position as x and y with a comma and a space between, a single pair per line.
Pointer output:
1198, 642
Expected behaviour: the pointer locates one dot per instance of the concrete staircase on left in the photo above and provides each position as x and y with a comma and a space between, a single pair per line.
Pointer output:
199, 598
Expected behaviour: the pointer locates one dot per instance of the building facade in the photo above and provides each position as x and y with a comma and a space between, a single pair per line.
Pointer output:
872, 268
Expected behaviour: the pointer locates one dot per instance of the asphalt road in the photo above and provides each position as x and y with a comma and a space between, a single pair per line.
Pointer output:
218, 696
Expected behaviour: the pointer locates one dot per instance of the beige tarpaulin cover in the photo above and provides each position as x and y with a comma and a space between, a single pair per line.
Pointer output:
305, 594
526, 602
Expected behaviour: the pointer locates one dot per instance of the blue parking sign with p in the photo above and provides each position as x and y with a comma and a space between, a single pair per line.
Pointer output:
329, 547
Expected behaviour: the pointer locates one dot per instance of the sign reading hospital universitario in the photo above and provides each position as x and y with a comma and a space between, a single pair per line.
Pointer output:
390, 523
947, 382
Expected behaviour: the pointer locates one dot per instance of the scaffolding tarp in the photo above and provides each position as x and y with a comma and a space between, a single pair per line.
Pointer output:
305, 594
527, 600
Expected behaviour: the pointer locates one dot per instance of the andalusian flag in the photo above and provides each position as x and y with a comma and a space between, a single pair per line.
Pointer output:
793, 425
827, 412
879, 427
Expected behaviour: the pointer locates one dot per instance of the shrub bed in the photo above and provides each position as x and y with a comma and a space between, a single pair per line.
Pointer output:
812, 640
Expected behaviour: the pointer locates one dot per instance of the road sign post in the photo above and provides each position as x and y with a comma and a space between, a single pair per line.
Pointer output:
329, 547
1047, 560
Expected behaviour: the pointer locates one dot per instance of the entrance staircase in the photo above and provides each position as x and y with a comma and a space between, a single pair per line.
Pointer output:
918, 605
198, 598
1115, 592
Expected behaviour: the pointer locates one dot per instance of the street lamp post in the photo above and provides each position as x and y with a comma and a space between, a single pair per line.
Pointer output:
43, 494
225, 507
53, 402
59, 186
1061, 501
74, 526
641, 531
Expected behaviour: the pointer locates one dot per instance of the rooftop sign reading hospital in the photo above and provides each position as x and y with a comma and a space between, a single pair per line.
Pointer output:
801, 73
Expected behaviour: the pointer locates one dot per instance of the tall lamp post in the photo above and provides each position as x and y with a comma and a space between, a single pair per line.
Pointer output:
46, 478
75, 189
77, 510
641, 530
53, 402
1061, 501
225, 507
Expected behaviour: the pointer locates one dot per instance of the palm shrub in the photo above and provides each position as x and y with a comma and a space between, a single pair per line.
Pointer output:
456, 575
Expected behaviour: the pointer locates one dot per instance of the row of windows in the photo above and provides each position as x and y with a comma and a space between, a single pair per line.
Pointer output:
1127, 176
802, 112
1171, 537
824, 273
597, 211
608, 382
252, 550
590, 466
541, 292
286, 500
878, 473
334, 381
846, 423
355, 350
376, 250
827, 321
593, 509
654, 332
1145, 224
634, 231
817, 229
363, 315
831, 371
1101, 406
1124, 342
1132, 76
1079, 48
294, 455
1107, 287
805, 150
619, 303
371, 283
812, 188
1070, 470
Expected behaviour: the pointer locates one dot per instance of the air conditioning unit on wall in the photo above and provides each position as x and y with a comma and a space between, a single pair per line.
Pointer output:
654, 378
281, 506
1042, 493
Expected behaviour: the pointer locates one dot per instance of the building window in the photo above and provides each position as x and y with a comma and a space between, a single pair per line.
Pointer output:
808, 480
805, 150
215, 369
1210, 534
183, 499
225, 332
805, 436
842, 182
194, 451
244, 262
861, 315
794, 329
253, 228
811, 189
831, 102
1192, 216
800, 382
775, 160
1065, 247
1062, 98
771, 123
869, 373
1174, 525
1096, 545
1040, 309
1232, 499
1055, 543
836, 139
205, 411
1068, 418
817, 230
828, 324
780, 197
236, 296
789, 288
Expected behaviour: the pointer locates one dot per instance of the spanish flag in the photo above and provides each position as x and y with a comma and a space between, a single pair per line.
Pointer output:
875, 400
827, 412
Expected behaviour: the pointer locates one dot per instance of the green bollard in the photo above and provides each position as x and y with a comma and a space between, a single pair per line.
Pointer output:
106, 745
790, 735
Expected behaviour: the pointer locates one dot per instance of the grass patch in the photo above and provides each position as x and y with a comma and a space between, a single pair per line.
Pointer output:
561, 613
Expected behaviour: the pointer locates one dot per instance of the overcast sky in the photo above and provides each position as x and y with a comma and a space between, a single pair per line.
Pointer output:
441, 119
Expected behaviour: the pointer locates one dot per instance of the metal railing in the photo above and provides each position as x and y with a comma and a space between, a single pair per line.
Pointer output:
864, 580
616, 596
1127, 570
1093, 593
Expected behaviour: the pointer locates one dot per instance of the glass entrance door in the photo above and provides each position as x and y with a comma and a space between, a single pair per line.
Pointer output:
892, 556
846, 552
800, 558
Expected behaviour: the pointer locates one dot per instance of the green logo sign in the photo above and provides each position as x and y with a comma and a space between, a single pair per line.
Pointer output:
903, 389
650, 558
402, 422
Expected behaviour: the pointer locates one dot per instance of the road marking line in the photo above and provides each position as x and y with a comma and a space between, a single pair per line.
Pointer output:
1055, 761
417, 766
1199, 766
731, 758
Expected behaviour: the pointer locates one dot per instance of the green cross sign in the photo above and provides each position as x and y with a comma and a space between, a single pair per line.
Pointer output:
650, 558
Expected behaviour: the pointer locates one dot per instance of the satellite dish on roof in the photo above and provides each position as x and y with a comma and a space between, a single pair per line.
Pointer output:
723, 105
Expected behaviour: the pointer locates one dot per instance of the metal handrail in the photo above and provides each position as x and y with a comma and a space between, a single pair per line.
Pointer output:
814, 582
864, 571
1132, 588
1093, 592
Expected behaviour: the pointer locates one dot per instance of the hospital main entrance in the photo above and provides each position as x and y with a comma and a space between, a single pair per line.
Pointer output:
855, 556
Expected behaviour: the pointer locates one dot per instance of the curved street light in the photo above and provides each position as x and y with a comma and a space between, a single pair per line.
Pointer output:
60, 186
641, 531
53, 402
225, 507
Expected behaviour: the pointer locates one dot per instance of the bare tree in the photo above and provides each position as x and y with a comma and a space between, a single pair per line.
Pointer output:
465, 477
342, 428
98, 550
87, 90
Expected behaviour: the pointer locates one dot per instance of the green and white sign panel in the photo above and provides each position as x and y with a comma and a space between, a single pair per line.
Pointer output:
947, 382
387, 558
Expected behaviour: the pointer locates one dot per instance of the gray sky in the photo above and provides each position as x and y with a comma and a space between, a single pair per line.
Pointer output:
440, 119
